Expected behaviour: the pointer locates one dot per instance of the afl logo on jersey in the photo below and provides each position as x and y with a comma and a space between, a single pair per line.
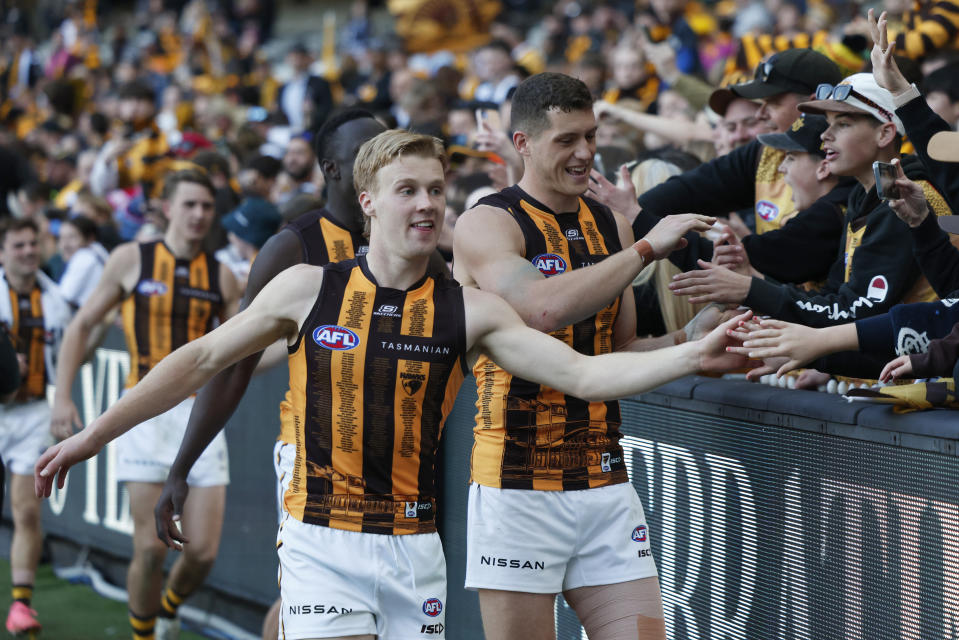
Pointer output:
767, 210
639, 534
549, 264
330, 336
433, 607
151, 288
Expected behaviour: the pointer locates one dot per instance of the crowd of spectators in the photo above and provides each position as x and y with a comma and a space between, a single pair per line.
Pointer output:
100, 102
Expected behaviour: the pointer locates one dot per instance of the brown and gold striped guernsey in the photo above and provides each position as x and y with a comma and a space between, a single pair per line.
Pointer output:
29, 339
373, 376
174, 301
529, 436
323, 240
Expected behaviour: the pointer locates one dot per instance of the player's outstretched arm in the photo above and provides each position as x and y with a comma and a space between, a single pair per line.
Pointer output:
119, 275
276, 313
489, 248
493, 327
218, 398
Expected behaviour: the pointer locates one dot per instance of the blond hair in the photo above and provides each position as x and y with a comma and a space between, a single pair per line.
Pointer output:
386, 148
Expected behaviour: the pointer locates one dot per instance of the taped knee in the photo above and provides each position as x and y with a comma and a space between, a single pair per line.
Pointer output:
620, 611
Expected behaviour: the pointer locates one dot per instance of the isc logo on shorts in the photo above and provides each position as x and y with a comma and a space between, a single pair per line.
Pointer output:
433, 607
432, 628
767, 210
639, 534
151, 288
330, 336
549, 264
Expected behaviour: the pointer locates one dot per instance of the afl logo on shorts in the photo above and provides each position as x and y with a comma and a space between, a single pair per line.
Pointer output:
433, 607
549, 264
639, 534
151, 288
330, 336
767, 210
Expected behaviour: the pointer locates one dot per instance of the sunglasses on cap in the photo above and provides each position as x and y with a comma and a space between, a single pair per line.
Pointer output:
841, 92
765, 71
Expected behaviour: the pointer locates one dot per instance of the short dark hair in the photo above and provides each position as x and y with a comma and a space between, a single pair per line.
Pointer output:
944, 79
266, 166
498, 44
12, 225
194, 176
86, 227
137, 90
212, 162
324, 136
536, 96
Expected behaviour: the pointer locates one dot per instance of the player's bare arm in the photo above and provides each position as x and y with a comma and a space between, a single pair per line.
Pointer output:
119, 276
488, 246
218, 399
493, 327
278, 312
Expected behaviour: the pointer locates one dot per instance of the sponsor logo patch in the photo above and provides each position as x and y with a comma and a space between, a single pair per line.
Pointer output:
313, 609
639, 534
573, 234
433, 607
878, 288
550, 264
330, 336
604, 464
151, 288
390, 310
432, 628
767, 210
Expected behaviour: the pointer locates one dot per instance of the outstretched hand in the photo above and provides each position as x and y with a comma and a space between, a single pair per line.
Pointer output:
911, 206
786, 345
901, 367
64, 420
57, 460
711, 283
718, 352
667, 235
167, 512
884, 67
729, 252
619, 199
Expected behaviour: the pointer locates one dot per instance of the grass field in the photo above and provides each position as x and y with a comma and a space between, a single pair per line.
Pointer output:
72, 611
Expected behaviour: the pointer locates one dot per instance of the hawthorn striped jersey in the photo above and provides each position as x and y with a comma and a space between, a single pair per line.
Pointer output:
323, 240
29, 339
373, 375
529, 436
173, 302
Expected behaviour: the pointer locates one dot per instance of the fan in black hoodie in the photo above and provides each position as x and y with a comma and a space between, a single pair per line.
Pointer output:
875, 267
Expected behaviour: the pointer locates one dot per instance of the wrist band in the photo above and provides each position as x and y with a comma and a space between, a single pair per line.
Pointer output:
645, 251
